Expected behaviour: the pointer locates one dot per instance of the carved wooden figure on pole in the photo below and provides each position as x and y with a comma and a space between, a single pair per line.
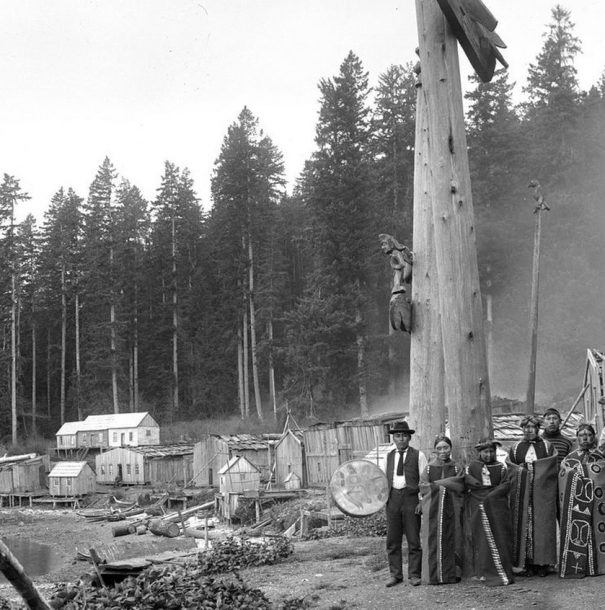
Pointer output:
401, 259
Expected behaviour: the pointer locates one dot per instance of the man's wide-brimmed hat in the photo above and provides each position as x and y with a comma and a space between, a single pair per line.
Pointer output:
486, 443
401, 427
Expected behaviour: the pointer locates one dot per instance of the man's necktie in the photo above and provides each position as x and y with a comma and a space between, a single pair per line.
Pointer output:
400, 465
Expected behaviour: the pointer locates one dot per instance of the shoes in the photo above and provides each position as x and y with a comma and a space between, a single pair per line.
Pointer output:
414, 581
394, 581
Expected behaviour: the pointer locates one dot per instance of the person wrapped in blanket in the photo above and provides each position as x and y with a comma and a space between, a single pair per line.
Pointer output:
441, 489
487, 483
533, 501
582, 497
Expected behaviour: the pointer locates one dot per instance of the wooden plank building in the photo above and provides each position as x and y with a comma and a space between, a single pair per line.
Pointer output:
24, 475
154, 465
110, 430
290, 458
71, 479
328, 445
214, 451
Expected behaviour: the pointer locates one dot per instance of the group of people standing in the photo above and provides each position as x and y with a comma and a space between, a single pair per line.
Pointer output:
540, 511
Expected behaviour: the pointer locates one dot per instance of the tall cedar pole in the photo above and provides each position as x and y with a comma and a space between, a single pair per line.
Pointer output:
533, 315
63, 339
466, 380
175, 325
427, 394
13, 329
77, 352
34, 373
253, 350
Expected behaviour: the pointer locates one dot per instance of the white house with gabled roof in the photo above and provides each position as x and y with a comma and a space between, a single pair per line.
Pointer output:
127, 429
110, 430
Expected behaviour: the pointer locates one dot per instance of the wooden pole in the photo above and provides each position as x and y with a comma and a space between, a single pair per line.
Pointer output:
427, 393
15, 574
533, 316
466, 382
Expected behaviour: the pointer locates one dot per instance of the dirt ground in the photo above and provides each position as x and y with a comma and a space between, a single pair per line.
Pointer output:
331, 574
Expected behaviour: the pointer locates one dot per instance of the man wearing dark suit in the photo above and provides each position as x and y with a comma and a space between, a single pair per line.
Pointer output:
404, 466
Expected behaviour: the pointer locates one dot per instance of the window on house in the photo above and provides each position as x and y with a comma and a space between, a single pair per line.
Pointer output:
100, 437
110, 470
115, 437
148, 432
128, 469
60, 440
68, 482
136, 469
130, 436
56, 482
102, 469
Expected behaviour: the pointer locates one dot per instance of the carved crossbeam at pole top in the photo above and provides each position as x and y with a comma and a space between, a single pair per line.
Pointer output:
474, 27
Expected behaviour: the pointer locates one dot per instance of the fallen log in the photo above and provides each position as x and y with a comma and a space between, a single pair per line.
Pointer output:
174, 517
123, 530
164, 528
15, 574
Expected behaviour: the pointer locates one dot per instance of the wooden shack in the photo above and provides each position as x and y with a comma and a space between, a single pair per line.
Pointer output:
154, 465
238, 475
71, 479
290, 458
24, 474
328, 445
214, 451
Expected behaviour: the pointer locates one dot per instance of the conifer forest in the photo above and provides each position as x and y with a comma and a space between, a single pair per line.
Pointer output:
266, 300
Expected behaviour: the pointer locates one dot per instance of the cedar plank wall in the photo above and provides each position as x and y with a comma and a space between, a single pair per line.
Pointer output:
328, 447
209, 453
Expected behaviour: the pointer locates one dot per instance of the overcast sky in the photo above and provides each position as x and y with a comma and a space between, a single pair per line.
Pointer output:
145, 81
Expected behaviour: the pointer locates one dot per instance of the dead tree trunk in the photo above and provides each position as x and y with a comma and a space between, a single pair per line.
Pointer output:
253, 352
272, 396
63, 339
427, 393
466, 377
175, 327
14, 572
77, 350
34, 386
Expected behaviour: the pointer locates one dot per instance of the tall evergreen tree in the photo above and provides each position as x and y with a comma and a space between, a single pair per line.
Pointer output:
338, 196
175, 235
553, 94
246, 185
102, 374
133, 234
10, 195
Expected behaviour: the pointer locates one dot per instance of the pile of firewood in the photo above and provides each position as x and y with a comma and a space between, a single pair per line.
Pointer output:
193, 584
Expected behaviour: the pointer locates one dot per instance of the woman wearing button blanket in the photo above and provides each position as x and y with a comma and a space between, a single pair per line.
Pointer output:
582, 496
441, 488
